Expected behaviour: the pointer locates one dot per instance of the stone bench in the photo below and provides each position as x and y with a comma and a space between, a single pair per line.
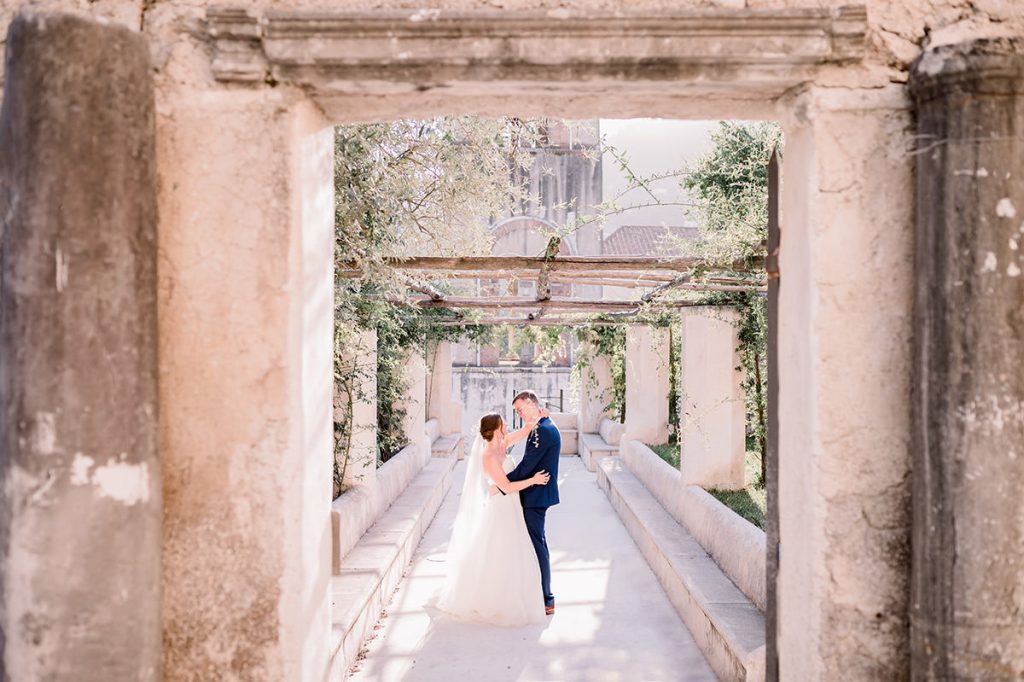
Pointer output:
368, 575
452, 445
594, 446
361, 506
726, 625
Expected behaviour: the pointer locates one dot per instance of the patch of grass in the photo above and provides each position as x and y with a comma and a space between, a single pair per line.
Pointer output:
752, 502
669, 453
749, 503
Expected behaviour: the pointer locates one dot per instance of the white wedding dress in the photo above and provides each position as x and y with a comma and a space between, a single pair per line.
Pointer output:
493, 575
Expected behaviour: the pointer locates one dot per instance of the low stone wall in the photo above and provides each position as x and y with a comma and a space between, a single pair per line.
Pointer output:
360, 507
736, 545
362, 586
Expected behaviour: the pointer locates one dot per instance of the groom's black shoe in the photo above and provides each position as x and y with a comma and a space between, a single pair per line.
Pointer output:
549, 610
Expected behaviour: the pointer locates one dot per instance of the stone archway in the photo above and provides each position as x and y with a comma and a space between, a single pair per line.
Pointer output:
243, 144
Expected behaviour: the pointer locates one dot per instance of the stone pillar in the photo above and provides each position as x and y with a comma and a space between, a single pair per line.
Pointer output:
595, 390
80, 509
844, 418
356, 401
415, 404
647, 384
967, 580
440, 405
712, 416
246, 308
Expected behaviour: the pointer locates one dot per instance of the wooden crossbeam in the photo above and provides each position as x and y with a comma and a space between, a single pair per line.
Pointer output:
532, 322
507, 266
554, 303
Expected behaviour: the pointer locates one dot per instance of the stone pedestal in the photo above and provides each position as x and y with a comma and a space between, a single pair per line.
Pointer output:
967, 578
440, 405
595, 391
356, 401
80, 512
647, 384
713, 413
415, 404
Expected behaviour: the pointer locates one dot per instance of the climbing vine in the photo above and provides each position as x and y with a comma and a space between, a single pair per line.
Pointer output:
608, 342
401, 188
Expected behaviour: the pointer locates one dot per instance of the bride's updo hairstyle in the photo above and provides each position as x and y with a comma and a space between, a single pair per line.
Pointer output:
489, 424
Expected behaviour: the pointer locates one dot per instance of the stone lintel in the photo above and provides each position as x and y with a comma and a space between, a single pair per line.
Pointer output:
731, 50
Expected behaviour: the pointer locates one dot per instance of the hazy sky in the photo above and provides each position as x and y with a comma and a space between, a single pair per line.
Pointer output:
652, 146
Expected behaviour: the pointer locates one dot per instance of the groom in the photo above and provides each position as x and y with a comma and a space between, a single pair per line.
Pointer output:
543, 447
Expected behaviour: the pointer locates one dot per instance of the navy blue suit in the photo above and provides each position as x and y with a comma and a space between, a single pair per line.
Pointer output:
543, 448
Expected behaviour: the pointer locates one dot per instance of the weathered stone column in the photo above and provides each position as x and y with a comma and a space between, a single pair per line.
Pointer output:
415, 404
80, 509
967, 584
844, 385
713, 412
440, 405
357, 402
647, 384
246, 313
595, 390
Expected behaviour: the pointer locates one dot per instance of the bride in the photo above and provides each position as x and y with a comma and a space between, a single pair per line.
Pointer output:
493, 574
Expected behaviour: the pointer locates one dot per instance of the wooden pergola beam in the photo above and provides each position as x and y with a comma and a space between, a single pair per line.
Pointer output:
490, 266
627, 283
532, 322
554, 303
656, 280
629, 317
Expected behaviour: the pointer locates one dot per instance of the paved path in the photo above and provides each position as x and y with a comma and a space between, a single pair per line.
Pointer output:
613, 620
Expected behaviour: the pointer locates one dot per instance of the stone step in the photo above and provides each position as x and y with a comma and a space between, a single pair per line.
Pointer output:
727, 626
370, 572
448, 446
570, 441
592, 448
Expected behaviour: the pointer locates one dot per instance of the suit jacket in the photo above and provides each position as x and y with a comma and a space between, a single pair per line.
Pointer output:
543, 450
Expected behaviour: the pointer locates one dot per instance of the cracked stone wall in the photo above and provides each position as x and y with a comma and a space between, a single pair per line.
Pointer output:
246, 548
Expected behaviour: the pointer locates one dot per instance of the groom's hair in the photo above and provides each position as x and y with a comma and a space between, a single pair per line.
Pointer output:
526, 395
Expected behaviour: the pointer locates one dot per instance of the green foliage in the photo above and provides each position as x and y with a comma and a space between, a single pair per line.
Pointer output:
668, 452
351, 370
730, 187
404, 188
429, 186
675, 388
752, 502
609, 342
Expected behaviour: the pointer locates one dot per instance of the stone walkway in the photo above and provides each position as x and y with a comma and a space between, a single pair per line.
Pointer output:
613, 621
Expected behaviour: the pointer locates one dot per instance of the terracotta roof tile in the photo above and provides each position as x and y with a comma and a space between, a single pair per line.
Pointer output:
646, 240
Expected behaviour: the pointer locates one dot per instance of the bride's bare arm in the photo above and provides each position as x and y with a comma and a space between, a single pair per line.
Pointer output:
516, 436
501, 482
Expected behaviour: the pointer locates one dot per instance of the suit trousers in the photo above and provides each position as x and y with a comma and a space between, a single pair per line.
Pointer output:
535, 526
